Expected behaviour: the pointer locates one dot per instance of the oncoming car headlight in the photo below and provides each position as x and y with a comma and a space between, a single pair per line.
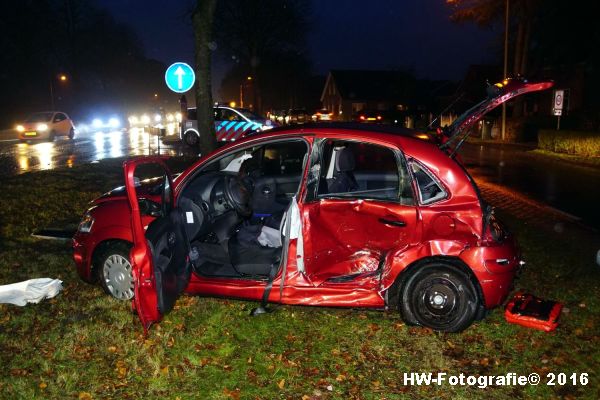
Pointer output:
85, 226
42, 127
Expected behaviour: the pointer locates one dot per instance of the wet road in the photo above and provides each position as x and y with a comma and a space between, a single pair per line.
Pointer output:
570, 188
17, 158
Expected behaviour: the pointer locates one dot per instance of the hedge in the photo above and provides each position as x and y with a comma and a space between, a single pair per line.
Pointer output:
585, 144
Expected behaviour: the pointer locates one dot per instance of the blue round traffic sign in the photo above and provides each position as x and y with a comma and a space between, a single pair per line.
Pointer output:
180, 77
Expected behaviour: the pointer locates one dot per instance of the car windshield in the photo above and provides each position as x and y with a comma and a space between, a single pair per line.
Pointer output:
39, 117
248, 114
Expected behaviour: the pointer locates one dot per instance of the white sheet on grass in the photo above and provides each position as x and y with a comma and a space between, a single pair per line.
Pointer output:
31, 291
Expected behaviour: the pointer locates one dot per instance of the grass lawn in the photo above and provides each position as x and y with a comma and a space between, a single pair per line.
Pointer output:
580, 160
83, 344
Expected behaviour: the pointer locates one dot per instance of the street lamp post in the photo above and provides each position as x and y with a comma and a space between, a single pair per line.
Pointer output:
248, 78
62, 78
505, 67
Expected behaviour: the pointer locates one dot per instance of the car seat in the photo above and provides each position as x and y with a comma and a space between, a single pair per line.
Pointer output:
343, 179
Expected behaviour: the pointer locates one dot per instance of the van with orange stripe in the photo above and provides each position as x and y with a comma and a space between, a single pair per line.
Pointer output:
230, 124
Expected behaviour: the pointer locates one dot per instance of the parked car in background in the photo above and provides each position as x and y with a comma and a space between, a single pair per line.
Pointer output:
297, 116
333, 214
369, 116
322, 115
46, 125
231, 124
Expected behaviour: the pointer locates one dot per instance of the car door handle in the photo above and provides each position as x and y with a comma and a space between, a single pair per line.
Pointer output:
392, 222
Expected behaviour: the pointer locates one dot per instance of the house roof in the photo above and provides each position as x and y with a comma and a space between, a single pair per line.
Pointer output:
369, 85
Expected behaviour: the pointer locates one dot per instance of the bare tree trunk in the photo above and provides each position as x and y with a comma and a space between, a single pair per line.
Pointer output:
202, 20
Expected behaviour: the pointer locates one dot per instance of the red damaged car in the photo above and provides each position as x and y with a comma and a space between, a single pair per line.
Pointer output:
327, 215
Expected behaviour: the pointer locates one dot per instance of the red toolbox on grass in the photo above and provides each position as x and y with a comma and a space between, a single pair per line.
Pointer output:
527, 310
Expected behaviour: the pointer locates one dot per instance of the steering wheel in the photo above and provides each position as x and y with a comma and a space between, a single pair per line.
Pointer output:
237, 195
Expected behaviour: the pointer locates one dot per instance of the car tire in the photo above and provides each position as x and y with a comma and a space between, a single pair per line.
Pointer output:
439, 296
114, 271
71, 133
191, 139
52, 136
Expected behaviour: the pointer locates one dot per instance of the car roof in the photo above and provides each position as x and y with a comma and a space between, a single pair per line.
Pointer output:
387, 132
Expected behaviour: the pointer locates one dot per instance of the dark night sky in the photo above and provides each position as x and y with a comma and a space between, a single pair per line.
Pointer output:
350, 34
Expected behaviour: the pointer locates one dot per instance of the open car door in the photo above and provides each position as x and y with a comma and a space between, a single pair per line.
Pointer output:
160, 252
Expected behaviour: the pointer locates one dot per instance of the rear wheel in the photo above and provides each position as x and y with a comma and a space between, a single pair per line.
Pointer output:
115, 272
191, 138
439, 296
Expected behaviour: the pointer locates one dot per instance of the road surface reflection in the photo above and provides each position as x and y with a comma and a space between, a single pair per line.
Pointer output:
16, 158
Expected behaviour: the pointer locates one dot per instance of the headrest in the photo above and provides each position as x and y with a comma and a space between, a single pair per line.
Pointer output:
345, 160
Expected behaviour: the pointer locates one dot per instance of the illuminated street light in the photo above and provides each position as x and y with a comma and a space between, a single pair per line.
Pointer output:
61, 78
248, 78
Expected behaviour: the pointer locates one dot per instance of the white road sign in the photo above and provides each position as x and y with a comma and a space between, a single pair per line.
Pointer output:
559, 100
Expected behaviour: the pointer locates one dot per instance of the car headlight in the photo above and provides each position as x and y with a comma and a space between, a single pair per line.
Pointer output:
145, 119
97, 123
85, 226
42, 127
157, 118
266, 127
20, 128
114, 122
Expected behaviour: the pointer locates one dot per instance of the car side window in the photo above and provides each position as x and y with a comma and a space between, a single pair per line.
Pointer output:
284, 158
361, 170
430, 190
192, 114
228, 115
59, 117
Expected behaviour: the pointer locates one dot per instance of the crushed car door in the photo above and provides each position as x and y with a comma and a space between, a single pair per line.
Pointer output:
160, 252
359, 206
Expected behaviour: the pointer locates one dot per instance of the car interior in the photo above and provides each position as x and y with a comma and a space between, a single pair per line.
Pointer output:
234, 207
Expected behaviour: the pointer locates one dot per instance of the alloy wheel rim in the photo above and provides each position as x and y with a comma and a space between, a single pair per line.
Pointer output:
118, 277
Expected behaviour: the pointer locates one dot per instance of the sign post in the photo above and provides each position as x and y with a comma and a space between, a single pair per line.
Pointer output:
557, 109
180, 77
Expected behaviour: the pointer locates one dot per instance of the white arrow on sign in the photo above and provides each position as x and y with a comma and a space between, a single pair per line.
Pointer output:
180, 73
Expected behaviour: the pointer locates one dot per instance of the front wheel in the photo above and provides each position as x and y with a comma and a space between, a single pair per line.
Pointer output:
191, 138
439, 296
71, 133
115, 272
